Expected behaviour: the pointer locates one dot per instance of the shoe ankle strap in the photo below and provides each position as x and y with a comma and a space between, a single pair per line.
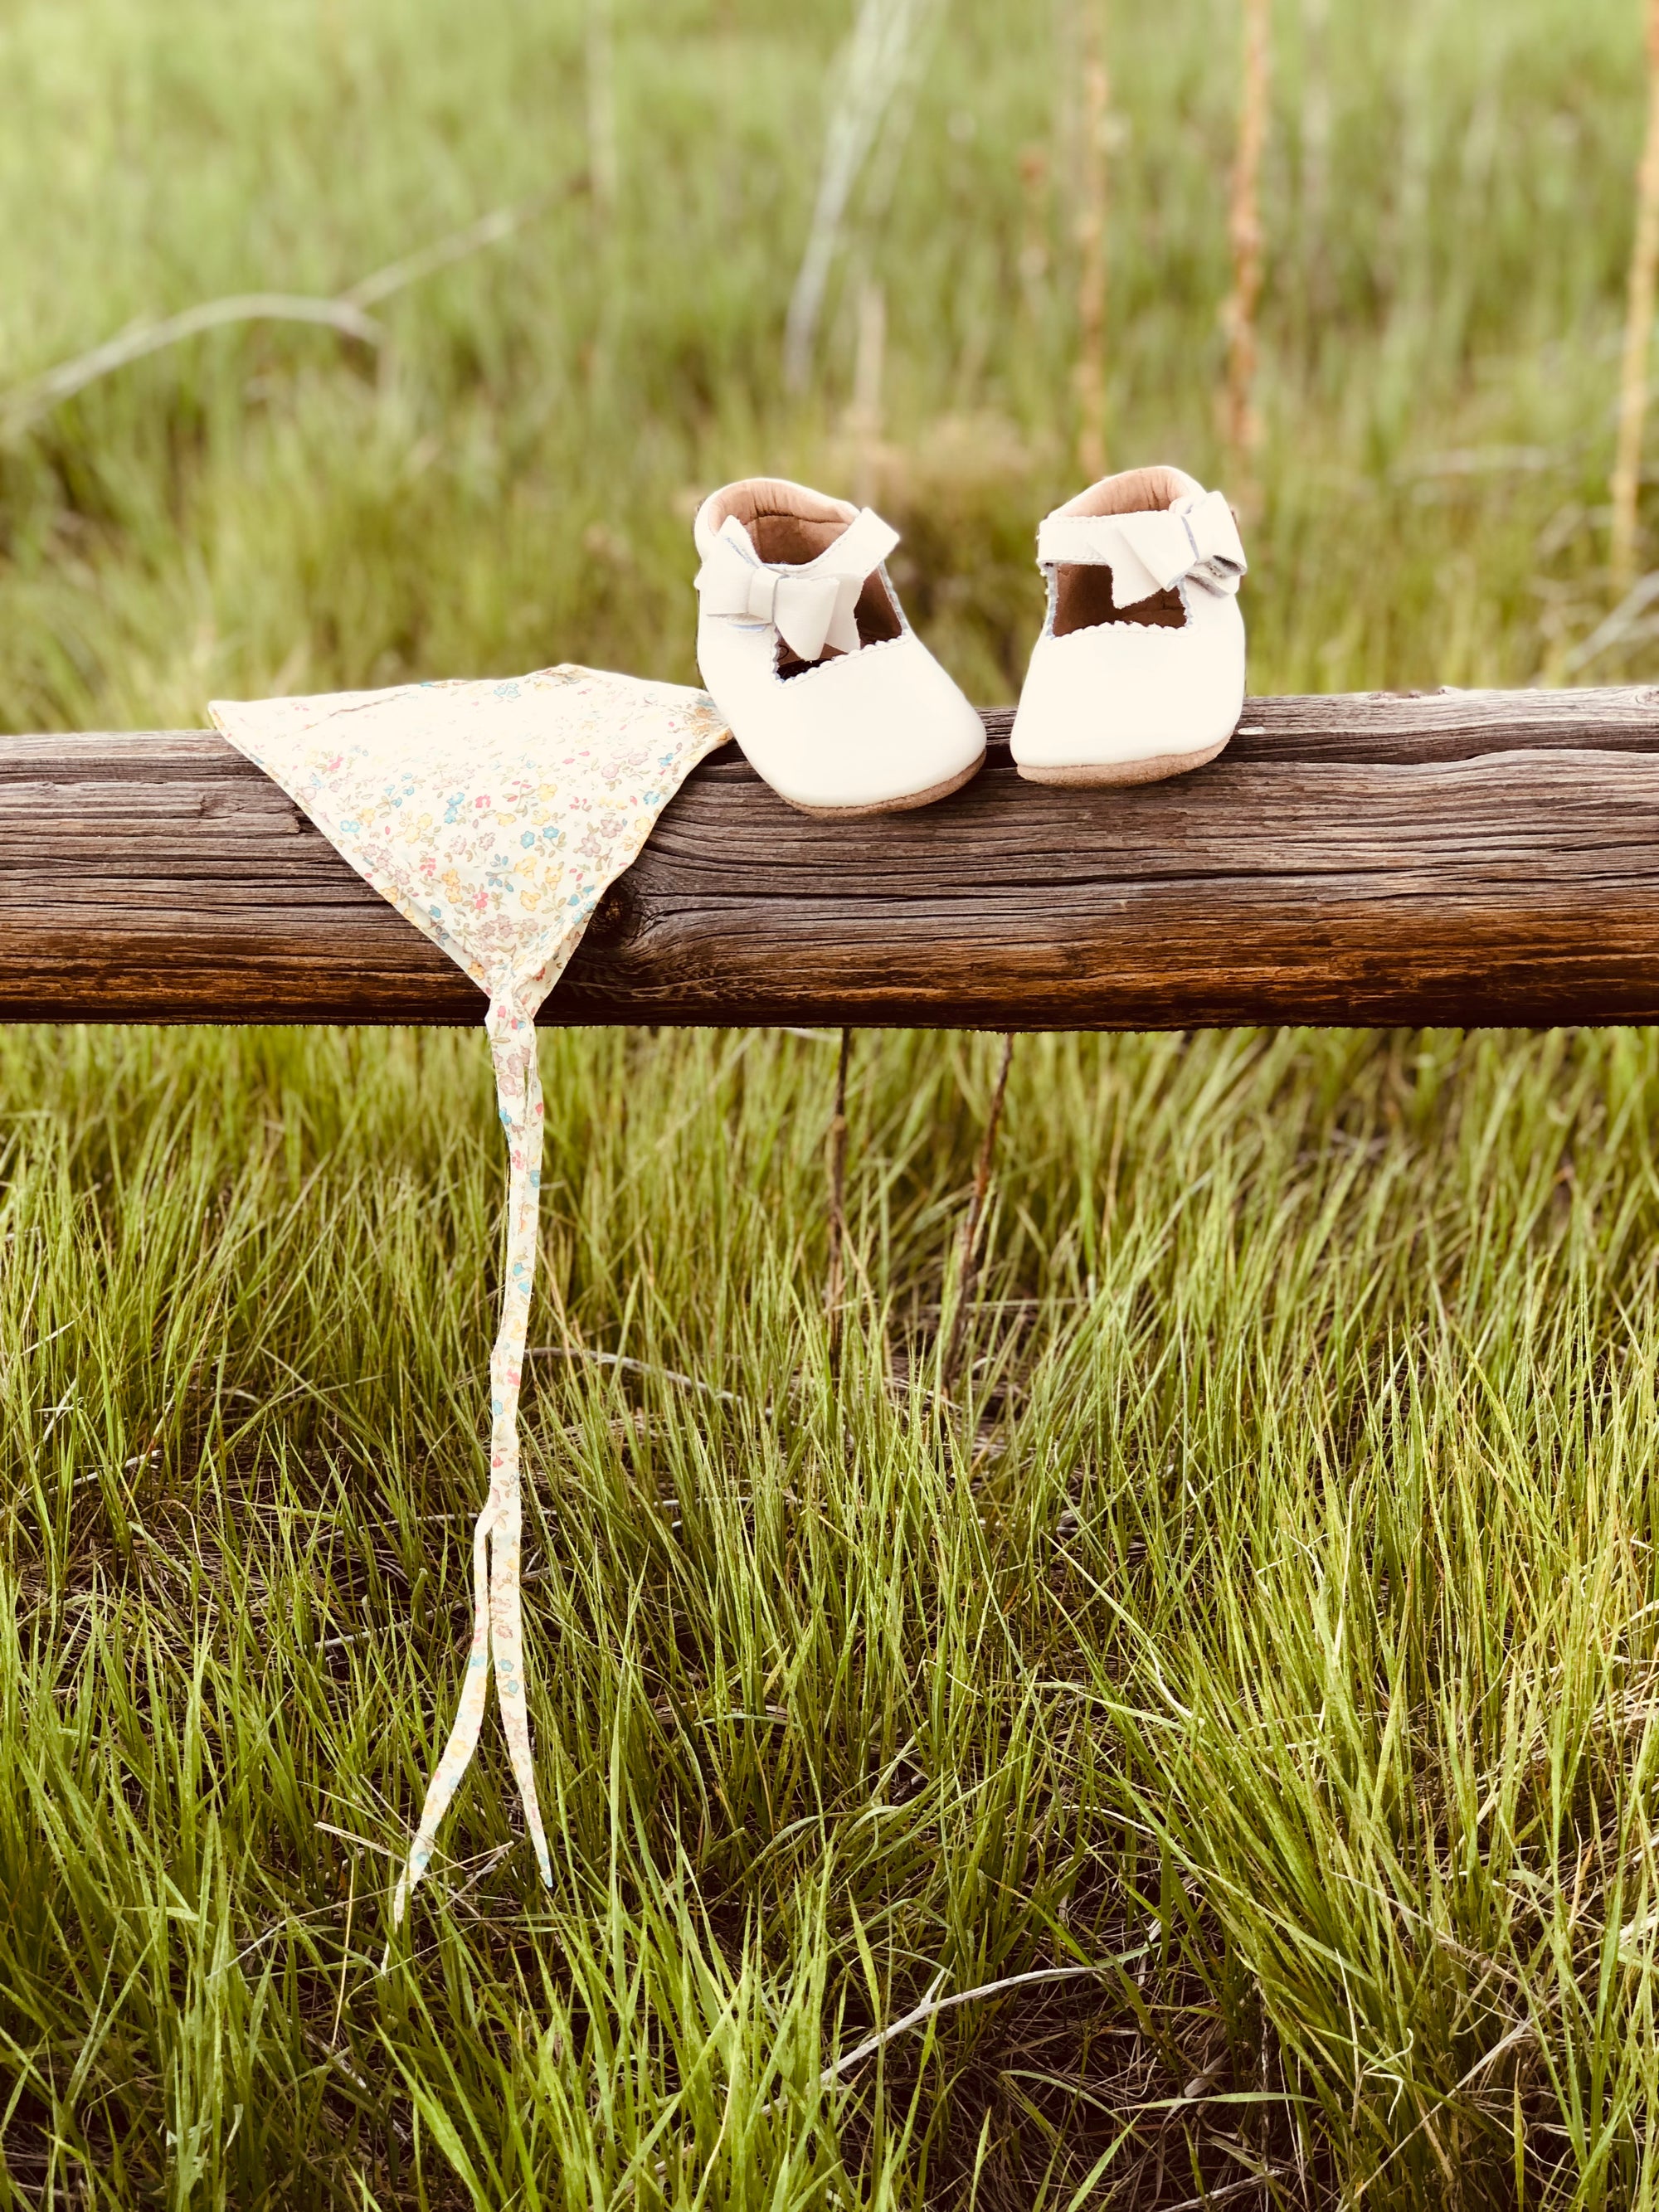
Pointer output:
811, 606
1195, 539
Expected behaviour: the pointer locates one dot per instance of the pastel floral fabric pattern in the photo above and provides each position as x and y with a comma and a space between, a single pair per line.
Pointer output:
494, 816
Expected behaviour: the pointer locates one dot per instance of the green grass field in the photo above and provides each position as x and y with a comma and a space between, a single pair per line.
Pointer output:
1268, 1624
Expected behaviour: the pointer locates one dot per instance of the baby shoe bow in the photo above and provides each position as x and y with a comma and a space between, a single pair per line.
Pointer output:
811, 606
805, 648
1195, 539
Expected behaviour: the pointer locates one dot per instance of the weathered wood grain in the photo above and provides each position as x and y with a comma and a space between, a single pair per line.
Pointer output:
1449, 857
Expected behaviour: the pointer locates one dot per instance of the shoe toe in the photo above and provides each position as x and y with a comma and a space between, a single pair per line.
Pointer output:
1124, 692
871, 732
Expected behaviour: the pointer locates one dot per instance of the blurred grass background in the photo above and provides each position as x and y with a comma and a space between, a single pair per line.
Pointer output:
1268, 1622
506, 481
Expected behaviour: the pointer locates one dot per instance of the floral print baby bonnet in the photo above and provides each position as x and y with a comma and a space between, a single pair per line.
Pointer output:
493, 816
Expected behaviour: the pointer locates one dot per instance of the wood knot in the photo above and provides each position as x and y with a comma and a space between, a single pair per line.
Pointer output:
613, 917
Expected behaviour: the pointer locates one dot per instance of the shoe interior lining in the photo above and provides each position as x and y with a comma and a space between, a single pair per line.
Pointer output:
1083, 600
1083, 597
1136, 491
789, 525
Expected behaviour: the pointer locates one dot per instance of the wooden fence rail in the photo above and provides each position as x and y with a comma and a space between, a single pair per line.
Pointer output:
1455, 857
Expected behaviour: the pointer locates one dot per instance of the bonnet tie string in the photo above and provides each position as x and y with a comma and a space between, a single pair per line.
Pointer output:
497, 1620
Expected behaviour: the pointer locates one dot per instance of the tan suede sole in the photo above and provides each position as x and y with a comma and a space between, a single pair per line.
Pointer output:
890, 805
1093, 775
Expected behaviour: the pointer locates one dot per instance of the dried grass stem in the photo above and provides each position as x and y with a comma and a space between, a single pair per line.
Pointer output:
1242, 421
1092, 252
836, 1147
968, 1272
1638, 326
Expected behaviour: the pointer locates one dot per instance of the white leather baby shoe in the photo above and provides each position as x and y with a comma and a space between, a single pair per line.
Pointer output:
804, 649
1139, 671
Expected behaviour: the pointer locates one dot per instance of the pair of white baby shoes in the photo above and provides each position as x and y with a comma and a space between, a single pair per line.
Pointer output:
1139, 672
